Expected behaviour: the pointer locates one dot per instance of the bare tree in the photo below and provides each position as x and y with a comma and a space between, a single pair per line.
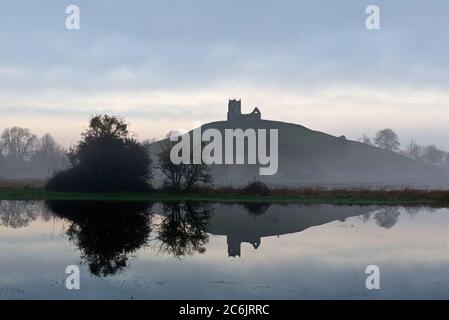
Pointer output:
387, 139
48, 145
50, 154
183, 176
365, 139
172, 173
18, 143
433, 155
414, 150
196, 175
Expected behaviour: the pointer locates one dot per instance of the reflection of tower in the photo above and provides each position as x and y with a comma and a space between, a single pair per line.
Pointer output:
234, 244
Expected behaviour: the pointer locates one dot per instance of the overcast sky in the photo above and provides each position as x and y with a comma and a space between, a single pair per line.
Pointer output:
164, 64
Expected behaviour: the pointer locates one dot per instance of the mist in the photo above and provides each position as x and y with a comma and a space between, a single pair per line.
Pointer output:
23, 155
306, 158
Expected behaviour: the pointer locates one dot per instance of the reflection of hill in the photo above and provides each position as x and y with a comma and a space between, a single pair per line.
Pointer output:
107, 233
239, 225
278, 220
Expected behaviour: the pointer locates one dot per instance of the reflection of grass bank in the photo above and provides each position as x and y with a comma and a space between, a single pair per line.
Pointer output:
308, 196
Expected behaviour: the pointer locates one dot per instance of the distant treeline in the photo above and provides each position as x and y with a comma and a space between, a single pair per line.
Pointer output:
387, 139
24, 155
107, 158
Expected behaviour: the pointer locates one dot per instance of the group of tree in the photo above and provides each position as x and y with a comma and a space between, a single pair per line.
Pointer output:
109, 159
23, 154
106, 159
385, 139
388, 140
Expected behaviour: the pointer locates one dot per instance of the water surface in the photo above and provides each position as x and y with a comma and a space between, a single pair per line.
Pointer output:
221, 251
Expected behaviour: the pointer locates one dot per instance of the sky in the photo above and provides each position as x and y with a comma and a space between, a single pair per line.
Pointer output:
168, 63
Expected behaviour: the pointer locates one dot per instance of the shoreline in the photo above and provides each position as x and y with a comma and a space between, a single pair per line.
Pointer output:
337, 197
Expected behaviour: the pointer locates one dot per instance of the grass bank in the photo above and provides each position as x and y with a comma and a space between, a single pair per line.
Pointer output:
306, 196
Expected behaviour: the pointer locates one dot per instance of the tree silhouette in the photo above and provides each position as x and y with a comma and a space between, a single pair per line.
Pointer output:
365, 139
257, 188
23, 155
106, 159
18, 143
414, 150
181, 177
431, 154
387, 139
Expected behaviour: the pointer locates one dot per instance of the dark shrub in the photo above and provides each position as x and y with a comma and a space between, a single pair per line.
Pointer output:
105, 160
256, 188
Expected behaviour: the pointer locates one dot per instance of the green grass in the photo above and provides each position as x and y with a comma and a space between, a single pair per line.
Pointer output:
347, 197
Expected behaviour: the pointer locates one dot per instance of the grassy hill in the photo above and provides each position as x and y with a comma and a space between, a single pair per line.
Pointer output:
308, 157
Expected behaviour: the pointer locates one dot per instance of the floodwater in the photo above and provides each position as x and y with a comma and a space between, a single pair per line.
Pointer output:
221, 251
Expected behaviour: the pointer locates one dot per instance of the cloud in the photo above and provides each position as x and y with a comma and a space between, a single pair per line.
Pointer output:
179, 60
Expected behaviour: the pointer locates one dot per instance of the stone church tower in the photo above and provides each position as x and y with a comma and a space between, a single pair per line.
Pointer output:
235, 112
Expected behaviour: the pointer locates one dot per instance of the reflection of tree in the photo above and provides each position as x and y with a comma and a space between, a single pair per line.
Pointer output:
256, 208
182, 231
18, 214
107, 233
366, 217
412, 211
387, 217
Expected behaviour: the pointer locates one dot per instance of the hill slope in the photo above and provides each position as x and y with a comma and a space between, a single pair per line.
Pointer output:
308, 157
